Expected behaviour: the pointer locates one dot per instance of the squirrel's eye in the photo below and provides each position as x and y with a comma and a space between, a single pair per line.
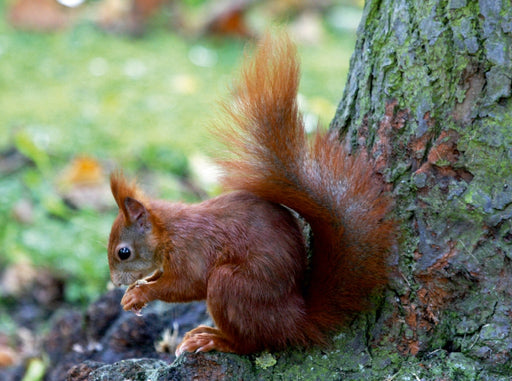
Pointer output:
124, 253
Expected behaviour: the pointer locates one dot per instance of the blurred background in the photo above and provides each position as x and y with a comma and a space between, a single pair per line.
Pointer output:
87, 86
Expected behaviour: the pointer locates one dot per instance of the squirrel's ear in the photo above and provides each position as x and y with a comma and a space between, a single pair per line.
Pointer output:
121, 190
137, 214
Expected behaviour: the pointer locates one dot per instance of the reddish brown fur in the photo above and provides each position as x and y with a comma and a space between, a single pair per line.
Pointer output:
244, 252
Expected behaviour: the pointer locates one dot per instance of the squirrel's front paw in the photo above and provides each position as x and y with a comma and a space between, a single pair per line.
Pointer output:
134, 299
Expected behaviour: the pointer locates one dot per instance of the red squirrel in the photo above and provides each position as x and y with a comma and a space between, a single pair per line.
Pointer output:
244, 251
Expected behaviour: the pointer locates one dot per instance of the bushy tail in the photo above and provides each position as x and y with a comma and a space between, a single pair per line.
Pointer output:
332, 190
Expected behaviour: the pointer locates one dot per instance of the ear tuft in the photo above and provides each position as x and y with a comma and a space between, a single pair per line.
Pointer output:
122, 189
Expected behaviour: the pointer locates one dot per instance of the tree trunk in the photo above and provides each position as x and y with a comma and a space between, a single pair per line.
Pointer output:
429, 96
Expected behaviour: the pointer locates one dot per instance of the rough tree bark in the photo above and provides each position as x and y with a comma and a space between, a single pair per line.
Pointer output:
429, 97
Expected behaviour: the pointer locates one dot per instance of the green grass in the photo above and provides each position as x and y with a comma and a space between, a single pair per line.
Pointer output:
140, 104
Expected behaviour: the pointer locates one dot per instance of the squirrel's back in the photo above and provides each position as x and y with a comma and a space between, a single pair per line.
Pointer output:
335, 192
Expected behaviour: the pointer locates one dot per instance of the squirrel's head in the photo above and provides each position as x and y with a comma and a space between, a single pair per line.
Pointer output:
131, 246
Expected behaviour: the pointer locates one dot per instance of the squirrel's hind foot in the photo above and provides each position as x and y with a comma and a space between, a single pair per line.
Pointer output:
204, 339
